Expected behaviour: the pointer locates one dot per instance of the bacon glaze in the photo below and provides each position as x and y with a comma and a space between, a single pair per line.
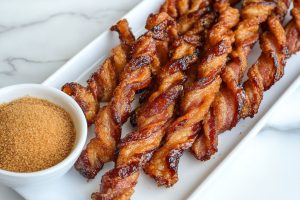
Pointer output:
197, 98
152, 118
135, 76
220, 117
101, 84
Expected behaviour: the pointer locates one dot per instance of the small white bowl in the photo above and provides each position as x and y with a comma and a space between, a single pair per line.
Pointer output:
7, 94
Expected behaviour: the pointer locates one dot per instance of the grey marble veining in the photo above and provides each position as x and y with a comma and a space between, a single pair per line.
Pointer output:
287, 129
37, 37
11, 61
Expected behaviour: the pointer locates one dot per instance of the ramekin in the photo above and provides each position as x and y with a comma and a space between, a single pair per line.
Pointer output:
10, 93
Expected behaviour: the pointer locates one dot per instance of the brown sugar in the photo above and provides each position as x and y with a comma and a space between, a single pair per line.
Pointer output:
35, 134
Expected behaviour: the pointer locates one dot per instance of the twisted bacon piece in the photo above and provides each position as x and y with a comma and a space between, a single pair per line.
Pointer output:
219, 118
180, 8
216, 121
188, 26
137, 147
175, 8
292, 29
191, 16
102, 82
269, 67
197, 99
187, 13
136, 76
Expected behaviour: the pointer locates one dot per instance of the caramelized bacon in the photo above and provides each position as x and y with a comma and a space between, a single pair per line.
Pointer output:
180, 8
196, 100
175, 8
205, 102
292, 29
220, 117
196, 23
263, 74
188, 20
268, 69
103, 82
135, 76
152, 118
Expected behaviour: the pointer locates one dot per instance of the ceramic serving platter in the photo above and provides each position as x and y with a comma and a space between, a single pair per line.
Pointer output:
194, 176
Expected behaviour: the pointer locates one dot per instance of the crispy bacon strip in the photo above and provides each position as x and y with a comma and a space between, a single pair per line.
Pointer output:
175, 8
188, 26
196, 100
179, 8
186, 21
219, 118
102, 83
136, 76
216, 121
269, 67
292, 29
137, 147
192, 15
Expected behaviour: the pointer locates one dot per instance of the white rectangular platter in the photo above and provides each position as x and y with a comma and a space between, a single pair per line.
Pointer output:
194, 176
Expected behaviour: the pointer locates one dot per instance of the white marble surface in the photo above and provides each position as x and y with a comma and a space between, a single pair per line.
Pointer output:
37, 37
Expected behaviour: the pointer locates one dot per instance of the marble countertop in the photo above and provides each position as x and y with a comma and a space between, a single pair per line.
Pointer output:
37, 37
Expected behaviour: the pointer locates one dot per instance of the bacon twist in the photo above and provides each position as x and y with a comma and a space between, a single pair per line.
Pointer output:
188, 26
135, 76
269, 67
192, 12
102, 83
196, 100
292, 29
175, 8
181, 8
137, 147
219, 118
217, 122
188, 14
